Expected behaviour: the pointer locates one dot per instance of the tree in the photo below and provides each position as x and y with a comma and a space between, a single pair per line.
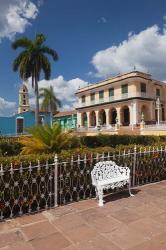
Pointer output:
46, 139
32, 61
50, 102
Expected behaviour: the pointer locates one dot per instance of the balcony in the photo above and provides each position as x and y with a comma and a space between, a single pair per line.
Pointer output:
92, 102
116, 98
101, 100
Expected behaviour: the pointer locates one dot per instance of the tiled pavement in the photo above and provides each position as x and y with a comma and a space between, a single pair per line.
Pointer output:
136, 223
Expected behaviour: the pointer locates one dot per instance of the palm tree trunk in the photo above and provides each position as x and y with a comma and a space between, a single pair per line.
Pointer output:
50, 110
37, 104
36, 98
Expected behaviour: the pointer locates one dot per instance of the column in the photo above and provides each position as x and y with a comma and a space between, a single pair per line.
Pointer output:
118, 109
88, 119
97, 117
107, 117
79, 120
135, 114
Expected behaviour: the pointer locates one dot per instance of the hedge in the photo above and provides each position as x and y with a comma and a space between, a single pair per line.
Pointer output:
65, 155
115, 140
8, 148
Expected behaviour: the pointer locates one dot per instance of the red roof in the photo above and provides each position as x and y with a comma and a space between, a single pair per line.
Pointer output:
65, 113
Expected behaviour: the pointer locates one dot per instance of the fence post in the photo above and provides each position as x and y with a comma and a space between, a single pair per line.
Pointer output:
56, 181
134, 165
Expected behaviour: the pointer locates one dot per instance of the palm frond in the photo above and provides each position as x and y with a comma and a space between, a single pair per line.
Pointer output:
22, 43
40, 39
50, 102
46, 67
49, 51
18, 60
46, 139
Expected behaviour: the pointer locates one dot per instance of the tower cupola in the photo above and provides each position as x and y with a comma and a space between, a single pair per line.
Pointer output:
23, 99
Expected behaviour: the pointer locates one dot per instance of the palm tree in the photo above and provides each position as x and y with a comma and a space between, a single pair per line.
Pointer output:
46, 139
32, 60
50, 102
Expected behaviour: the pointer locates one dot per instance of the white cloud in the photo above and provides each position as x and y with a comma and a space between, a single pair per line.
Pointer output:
40, 3
164, 17
7, 108
15, 16
102, 20
145, 50
64, 90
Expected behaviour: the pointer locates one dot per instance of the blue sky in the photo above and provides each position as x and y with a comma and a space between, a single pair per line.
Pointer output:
95, 39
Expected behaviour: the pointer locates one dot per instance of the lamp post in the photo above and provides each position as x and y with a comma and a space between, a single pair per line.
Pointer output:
158, 110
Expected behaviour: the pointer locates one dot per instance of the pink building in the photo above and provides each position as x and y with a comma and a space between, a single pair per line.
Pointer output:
124, 100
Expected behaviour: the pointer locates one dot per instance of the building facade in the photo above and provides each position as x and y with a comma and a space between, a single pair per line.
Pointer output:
17, 124
67, 119
125, 99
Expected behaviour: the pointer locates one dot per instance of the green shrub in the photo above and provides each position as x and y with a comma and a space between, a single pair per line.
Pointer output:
65, 155
115, 140
9, 148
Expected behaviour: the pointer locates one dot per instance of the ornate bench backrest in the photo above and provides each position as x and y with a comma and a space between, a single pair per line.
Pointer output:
108, 170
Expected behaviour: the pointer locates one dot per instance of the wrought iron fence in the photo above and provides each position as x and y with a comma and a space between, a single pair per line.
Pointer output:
28, 189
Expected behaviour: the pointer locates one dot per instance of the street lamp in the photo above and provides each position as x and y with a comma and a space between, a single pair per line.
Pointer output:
158, 110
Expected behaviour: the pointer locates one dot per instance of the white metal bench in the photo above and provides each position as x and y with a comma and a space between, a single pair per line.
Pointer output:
107, 174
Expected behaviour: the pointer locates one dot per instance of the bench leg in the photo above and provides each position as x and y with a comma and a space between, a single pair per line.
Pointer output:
130, 189
100, 195
97, 196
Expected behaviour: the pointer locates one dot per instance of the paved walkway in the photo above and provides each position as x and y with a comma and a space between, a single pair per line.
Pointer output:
137, 223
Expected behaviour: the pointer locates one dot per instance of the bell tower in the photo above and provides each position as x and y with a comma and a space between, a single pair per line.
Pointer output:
23, 99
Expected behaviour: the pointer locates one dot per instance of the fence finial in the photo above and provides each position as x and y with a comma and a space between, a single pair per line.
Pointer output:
85, 158
11, 169
1, 170
56, 158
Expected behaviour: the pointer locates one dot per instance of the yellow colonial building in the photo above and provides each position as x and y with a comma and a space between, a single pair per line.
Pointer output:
124, 100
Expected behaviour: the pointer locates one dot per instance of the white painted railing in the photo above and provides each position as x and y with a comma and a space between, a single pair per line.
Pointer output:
97, 128
161, 126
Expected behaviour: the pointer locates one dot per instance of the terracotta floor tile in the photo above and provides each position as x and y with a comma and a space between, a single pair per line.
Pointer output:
161, 218
157, 192
148, 210
98, 243
148, 227
104, 225
91, 214
71, 247
10, 238
38, 230
81, 233
126, 215
28, 219
8, 225
82, 205
161, 183
125, 237
157, 243
54, 241
21, 246
60, 211
68, 222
